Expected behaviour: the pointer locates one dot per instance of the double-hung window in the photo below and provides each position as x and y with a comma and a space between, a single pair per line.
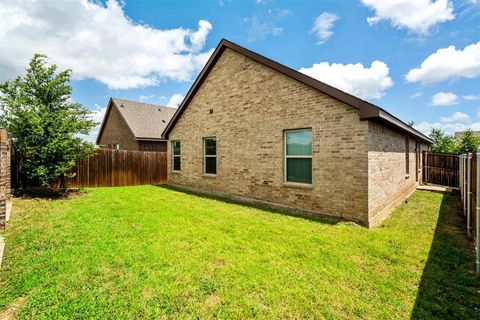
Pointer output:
176, 156
298, 156
210, 155
407, 156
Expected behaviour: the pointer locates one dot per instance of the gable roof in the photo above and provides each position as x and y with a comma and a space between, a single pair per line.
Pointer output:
146, 121
367, 110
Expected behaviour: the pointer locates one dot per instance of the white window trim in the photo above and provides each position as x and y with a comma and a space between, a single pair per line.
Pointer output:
285, 156
209, 156
174, 155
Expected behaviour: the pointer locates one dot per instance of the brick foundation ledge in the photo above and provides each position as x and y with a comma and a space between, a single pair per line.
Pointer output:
384, 213
287, 210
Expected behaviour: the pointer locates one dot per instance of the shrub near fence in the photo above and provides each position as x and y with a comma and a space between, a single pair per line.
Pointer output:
111, 168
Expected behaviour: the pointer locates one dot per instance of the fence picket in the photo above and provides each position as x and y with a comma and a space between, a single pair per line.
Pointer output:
111, 168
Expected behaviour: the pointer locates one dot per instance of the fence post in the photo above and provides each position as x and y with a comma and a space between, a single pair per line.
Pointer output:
465, 190
477, 217
469, 190
426, 166
460, 176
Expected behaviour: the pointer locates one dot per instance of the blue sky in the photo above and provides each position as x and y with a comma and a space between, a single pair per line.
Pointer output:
418, 59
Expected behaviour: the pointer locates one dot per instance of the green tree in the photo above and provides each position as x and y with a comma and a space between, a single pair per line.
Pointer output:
442, 143
468, 143
44, 123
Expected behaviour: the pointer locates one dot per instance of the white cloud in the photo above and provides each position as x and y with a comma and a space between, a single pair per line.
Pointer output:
98, 42
471, 97
416, 94
444, 99
448, 63
265, 23
97, 115
458, 121
417, 16
175, 100
261, 29
146, 97
456, 117
366, 83
323, 25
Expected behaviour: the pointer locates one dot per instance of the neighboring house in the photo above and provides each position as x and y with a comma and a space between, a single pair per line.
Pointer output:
253, 129
130, 125
459, 134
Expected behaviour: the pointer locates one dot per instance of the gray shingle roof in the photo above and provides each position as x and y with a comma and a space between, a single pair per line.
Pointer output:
147, 121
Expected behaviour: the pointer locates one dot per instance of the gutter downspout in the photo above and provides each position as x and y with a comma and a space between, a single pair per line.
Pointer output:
477, 220
465, 191
469, 191
460, 174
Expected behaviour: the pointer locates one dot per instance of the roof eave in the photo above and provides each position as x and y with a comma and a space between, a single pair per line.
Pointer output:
383, 116
149, 139
102, 125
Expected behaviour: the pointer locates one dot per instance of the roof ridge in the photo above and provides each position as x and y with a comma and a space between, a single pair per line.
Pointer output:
367, 109
145, 103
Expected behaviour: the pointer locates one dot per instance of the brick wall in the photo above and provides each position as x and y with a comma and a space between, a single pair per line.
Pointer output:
388, 181
248, 113
5, 177
116, 130
159, 146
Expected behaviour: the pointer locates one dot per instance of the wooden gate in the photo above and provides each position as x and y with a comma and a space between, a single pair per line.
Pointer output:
441, 169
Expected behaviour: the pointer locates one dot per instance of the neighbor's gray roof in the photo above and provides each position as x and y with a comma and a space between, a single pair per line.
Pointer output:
459, 134
147, 121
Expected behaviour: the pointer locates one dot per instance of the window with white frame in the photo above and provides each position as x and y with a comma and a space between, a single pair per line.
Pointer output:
210, 155
176, 156
298, 156
407, 156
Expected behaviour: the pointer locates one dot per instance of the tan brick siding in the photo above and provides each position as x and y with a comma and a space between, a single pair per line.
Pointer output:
251, 107
116, 131
387, 177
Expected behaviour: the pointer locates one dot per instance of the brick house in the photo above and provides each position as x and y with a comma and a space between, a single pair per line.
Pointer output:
130, 125
255, 130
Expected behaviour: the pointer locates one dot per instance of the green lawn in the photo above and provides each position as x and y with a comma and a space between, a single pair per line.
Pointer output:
153, 252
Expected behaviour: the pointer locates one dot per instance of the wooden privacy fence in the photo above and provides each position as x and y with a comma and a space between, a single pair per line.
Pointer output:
469, 192
440, 168
112, 168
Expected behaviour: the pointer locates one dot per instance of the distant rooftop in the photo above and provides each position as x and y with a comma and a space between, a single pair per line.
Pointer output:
459, 134
147, 121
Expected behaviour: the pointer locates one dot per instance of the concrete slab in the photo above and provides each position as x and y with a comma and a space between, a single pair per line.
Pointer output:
435, 188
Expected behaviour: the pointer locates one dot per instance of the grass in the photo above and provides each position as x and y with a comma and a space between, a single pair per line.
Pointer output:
153, 252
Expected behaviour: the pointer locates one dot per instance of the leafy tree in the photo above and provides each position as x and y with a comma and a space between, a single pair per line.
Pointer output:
442, 143
468, 143
44, 123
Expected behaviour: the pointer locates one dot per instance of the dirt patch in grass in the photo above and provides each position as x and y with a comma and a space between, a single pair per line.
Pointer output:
12, 311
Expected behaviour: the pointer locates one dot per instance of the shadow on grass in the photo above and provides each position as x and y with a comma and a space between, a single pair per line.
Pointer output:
47, 193
265, 207
449, 288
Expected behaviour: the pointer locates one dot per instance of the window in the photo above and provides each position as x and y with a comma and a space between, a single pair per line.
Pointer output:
298, 156
407, 156
210, 155
116, 146
176, 159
